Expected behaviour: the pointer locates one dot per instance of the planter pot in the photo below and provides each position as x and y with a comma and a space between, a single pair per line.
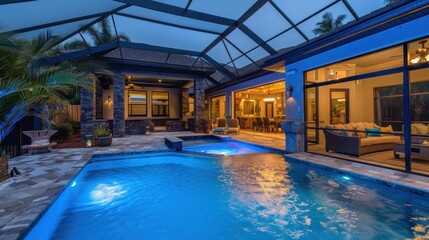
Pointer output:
4, 164
104, 141
206, 128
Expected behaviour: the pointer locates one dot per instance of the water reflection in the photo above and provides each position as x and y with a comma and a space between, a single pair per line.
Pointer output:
262, 195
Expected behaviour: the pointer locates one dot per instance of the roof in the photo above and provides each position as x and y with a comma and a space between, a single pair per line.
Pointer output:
232, 36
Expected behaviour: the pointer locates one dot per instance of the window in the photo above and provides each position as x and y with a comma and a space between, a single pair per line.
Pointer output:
160, 104
374, 62
137, 103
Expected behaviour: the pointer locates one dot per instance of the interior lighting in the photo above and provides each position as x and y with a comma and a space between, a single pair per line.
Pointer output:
422, 54
269, 98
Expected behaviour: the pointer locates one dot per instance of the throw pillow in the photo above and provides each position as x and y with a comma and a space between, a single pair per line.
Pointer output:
372, 132
387, 129
421, 128
360, 127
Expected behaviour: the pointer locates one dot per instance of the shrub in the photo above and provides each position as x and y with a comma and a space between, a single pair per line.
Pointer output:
101, 132
75, 126
64, 131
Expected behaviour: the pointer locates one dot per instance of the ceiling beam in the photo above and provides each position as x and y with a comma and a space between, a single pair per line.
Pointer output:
231, 28
144, 46
13, 1
219, 67
80, 53
52, 24
166, 23
162, 7
257, 39
101, 17
139, 67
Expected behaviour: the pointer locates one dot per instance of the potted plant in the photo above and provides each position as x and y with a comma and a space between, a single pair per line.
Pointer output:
102, 136
204, 125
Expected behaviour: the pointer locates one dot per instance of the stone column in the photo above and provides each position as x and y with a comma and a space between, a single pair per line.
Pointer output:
184, 102
98, 100
87, 110
118, 105
199, 98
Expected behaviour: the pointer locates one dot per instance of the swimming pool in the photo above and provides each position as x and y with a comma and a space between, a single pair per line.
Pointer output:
184, 196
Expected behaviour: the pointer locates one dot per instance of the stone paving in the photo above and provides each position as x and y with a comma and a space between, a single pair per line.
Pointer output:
43, 176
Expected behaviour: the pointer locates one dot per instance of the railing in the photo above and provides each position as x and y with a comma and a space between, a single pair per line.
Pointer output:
13, 142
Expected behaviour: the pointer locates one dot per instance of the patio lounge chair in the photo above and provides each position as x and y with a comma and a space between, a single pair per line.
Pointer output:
234, 126
220, 126
39, 140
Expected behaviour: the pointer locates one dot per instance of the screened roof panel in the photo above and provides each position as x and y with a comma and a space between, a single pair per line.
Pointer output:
177, 3
241, 40
178, 59
257, 53
232, 50
59, 30
33, 13
219, 53
288, 39
163, 35
247, 69
308, 26
298, 10
232, 9
174, 19
242, 62
76, 42
365, 7
267, 22
100, 33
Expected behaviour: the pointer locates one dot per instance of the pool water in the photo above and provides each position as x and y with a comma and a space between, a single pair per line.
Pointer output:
226, 148
184, 196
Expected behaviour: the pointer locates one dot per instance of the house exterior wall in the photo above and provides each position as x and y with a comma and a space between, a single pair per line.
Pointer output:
294, 106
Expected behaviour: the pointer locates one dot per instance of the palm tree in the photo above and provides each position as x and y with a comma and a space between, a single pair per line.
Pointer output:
25, 84
328, 23
100, 33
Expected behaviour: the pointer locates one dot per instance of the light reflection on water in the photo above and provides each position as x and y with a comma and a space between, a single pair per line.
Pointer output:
301, 203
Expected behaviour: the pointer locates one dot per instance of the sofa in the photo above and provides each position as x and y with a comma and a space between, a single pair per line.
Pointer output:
359, 138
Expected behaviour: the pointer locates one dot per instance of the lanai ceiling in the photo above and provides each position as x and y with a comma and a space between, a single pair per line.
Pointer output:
231, 36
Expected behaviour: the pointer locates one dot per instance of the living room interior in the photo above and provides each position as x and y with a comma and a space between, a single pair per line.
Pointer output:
370, 97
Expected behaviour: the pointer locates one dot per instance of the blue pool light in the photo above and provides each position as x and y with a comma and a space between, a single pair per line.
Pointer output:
73, 184
346, 178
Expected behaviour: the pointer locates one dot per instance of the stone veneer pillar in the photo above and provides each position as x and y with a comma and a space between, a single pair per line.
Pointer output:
118, 105
199, 99
87, 110
185, 102
98, 100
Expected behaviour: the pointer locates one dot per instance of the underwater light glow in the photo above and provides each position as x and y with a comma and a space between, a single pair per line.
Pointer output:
73, 184
346, 178
104, 194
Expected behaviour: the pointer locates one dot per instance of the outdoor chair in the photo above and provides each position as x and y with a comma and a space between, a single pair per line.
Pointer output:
234, 126
220, 126
268, 125
259, 124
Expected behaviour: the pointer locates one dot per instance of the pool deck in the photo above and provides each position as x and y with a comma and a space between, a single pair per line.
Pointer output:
44, 175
